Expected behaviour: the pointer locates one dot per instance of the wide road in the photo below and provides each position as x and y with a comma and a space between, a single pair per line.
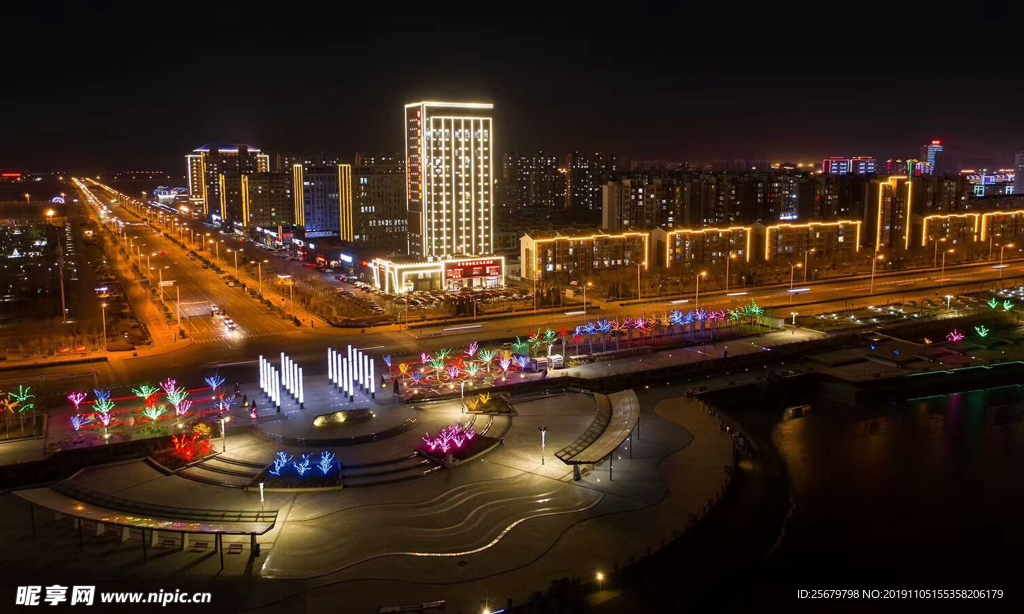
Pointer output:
262, 333
199, 289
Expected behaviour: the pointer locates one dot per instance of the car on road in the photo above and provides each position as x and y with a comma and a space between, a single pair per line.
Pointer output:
214, 310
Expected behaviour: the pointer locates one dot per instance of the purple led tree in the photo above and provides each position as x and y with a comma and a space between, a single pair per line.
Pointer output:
76, 399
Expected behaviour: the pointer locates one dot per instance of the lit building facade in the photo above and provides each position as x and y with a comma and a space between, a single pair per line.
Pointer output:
210, 166
830, 240
531, 181
931, 153
323, 198
848, 166
640, 201
682, 246
449, 179
953, 228
572, 257
269, 201
380, 217
892, 204
585, 174
1006, 225
401, 276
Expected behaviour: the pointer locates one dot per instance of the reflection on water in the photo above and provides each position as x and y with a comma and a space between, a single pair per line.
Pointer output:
928, 493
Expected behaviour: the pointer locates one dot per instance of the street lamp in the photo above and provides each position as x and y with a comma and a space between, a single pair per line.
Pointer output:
589, 283
874, 261
536, 274
1001, 258
807, 252
235, 252
600, 580
260, 265
731, 256
696, 296
638, 264
942, 272
223, 435
103, 316
935, 252
291, 299
792, 271
27, 198
543, 441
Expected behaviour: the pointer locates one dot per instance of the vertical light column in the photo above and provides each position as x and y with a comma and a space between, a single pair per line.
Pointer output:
373, 383
330, 365
348, 380
365, 366
302, 396
296, 379
284, 368
344, 376
278, 387
359, 368
262, 381
338, 359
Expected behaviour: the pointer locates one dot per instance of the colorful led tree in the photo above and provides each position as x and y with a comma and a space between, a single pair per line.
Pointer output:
103, 409
101, 395
453, 372
488, 356
505, 363
76, 399
169, 384
417, 376
993, 303
955, 336
326, 462
1007, 305
563, 336
192, 445
425, 358
533, 340
982, 331
520, 346
144, 392
550, 337
522, 361
403, 368
303, 466
472, 369
24, 397
153, 412
387, 361
224, 403
215, 381
454, 436
444, 353
472, 349
181, 409
437, 364
9, 408
78, 421
281, 460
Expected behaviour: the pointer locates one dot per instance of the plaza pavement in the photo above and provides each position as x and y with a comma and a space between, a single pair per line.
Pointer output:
504, 524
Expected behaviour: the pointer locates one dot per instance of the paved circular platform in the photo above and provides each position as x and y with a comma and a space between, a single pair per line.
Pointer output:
387, 421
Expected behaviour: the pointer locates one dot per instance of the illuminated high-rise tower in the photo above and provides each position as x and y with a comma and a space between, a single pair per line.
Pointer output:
212, 167
449, 178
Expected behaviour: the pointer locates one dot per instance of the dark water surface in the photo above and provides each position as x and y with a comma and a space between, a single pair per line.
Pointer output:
928, 494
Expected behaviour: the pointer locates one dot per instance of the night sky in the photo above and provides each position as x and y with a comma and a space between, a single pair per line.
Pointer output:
94, 90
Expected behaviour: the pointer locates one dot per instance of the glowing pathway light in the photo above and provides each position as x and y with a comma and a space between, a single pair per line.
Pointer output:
330, 365
373, 383
338, 375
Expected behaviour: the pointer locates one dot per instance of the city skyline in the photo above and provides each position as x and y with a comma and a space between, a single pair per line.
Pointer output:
555, 89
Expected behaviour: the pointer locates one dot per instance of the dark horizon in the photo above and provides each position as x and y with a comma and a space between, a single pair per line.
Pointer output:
99, 92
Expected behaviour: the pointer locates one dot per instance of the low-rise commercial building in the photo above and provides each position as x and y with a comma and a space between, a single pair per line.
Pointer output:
547, 256
832, 240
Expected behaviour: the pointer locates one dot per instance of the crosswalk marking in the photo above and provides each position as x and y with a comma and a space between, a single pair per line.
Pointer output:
220, 338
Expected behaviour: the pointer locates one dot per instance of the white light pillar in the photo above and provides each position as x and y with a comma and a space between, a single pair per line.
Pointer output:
366, 372
359, 368
338, 378
284, 369
330, 365
373, 383
296, 378
261, 373
302, 396
279, 390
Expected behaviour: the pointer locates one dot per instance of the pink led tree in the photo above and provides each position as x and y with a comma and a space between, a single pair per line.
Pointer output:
76, 398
